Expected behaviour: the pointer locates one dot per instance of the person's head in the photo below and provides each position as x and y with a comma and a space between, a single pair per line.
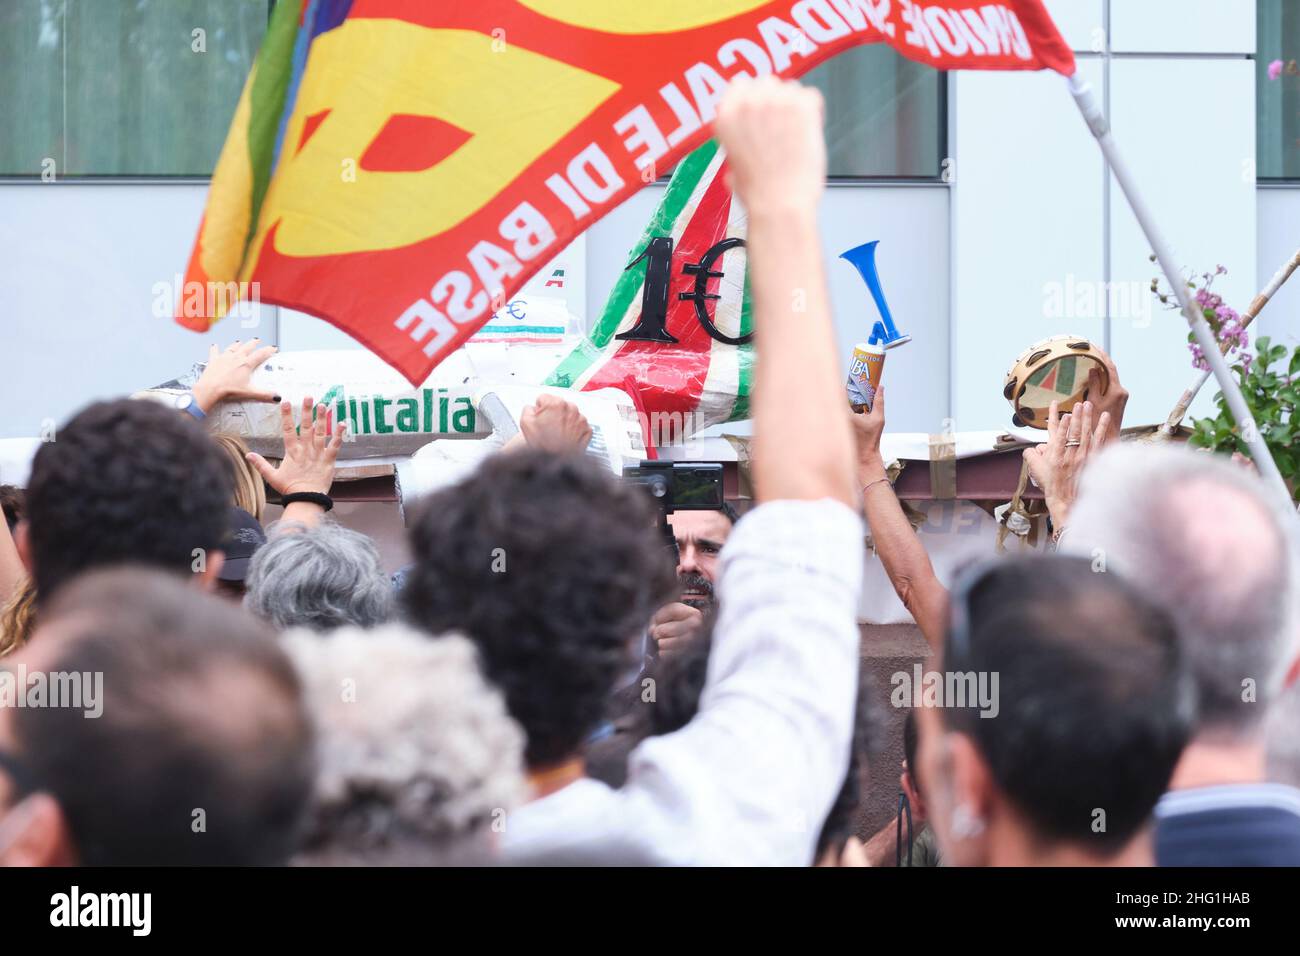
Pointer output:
180, 736
125, 482
249, 488
13, 505
700, 536
17, 610
1091, 709
419, 761
17, 617
320, 577
244, 538
553, 568
1206, 541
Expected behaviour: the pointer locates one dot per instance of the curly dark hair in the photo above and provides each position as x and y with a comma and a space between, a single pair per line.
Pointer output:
552, 567
13, 502
125, 481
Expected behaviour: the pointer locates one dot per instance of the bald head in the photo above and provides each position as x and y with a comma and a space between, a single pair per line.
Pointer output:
1202, 537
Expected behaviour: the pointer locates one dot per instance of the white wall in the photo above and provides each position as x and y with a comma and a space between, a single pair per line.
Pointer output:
1202, 194
1032, 208
1028, 218
78, 266
1182, 26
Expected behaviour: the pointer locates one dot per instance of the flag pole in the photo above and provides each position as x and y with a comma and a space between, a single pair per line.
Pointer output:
1252, 310
1081, 90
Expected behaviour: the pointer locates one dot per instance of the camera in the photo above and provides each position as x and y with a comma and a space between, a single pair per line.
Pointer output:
680, 485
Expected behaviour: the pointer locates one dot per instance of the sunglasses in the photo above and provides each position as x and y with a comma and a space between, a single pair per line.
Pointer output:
959, 612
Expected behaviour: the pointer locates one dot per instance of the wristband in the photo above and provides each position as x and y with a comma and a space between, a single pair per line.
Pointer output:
867, 486
311, 497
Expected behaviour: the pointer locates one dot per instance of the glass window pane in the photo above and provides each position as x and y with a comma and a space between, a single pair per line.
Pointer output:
129, 89
1277, 116
139, 88
885, 115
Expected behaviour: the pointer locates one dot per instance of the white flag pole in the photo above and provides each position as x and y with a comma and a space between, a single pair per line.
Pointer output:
1081, 90
1253, 310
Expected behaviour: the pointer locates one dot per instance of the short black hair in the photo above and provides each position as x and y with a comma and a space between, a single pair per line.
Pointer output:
202, 753
126, 481
729, 510
1095, 702
553, 567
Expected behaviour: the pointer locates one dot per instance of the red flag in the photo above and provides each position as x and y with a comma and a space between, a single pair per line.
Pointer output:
431, 156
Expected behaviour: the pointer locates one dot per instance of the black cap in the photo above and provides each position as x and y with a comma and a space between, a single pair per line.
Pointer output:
243, 538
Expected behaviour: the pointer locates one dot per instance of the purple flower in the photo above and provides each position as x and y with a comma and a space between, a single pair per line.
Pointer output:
1275, 69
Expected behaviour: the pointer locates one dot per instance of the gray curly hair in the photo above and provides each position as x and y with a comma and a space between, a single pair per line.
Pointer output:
321, 577
418, 759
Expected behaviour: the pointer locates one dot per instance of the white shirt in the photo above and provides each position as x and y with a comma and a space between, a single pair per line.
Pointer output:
751, 778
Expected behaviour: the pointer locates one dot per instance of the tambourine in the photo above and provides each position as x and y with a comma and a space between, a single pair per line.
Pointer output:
1053, 370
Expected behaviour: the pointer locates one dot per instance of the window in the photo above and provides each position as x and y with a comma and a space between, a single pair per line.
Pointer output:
107, 88
146, 88
886, 116
1277, 105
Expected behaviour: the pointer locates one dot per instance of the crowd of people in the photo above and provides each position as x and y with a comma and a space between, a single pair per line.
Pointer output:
183, 683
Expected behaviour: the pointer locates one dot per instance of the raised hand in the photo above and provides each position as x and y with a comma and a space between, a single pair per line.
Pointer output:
228, 373
776, 153
1109, 400
674, 625
553, 424
309, 451
1057, 464
868, 426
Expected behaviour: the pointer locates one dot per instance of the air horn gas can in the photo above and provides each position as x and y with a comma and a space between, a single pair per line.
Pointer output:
864, 375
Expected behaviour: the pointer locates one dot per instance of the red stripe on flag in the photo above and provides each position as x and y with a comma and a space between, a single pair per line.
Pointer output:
671, 377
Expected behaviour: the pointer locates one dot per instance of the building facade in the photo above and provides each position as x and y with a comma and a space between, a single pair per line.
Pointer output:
998, 223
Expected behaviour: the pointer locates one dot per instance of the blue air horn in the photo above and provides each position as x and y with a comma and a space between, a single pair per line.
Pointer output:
883, 333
